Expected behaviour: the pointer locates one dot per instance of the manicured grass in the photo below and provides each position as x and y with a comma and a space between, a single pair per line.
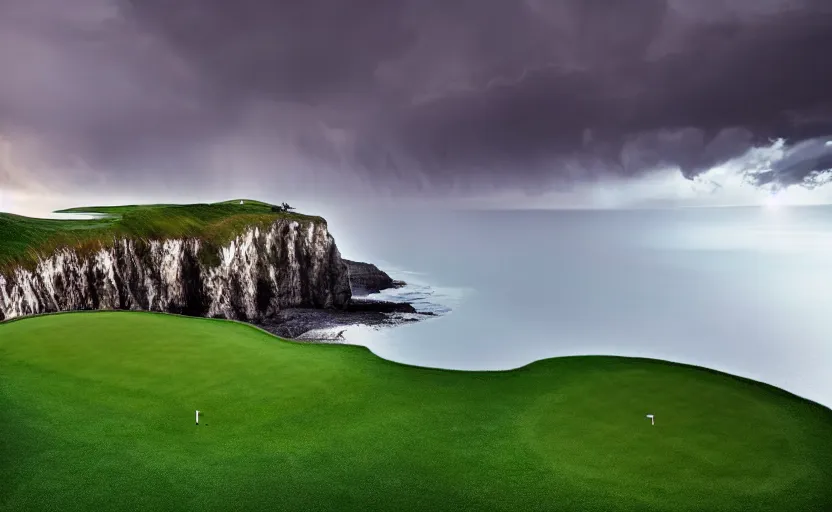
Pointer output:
97, 413
23, 239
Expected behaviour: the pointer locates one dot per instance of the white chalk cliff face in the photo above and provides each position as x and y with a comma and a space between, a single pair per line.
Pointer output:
261, 271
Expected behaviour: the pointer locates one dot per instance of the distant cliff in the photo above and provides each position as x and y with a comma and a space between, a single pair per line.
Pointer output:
366, 278
262, 270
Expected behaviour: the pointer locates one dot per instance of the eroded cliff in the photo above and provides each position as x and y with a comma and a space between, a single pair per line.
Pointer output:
262, 270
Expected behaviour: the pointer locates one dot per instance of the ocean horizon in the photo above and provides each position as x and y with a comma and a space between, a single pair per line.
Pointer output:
739, 290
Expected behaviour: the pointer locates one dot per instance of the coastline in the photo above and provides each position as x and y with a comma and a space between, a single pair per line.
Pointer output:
399, 305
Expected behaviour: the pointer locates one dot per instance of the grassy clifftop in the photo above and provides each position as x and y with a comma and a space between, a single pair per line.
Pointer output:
23, 239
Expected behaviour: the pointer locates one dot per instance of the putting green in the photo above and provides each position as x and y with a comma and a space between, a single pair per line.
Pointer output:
97, 413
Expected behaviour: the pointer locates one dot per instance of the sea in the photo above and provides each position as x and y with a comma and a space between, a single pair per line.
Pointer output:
744, 290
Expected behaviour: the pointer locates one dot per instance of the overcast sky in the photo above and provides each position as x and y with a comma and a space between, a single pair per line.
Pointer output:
543, 102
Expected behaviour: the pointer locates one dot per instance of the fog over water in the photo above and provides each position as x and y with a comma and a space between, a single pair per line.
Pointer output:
743, 290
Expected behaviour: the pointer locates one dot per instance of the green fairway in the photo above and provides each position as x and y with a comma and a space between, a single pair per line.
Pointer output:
97, 413
23, 239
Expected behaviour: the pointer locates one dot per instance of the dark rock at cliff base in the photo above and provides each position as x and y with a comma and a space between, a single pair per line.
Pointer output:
305, 324
379, 306
366, 278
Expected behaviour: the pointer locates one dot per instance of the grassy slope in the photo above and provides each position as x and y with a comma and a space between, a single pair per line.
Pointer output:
22, 239
96, 413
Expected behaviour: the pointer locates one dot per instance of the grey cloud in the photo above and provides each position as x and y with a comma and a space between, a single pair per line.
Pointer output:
421, 97
730, 89
311, 51
91, 86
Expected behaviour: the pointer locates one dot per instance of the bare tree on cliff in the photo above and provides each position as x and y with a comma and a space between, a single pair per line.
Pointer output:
282, 208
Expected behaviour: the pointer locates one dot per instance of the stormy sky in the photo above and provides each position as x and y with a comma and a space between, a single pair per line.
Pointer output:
411, 98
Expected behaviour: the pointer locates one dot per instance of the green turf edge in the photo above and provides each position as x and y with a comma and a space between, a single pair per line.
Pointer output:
24, 241
107, 209
585, 362
526, 367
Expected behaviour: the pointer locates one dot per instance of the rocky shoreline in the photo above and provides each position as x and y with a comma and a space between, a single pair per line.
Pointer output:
321, 325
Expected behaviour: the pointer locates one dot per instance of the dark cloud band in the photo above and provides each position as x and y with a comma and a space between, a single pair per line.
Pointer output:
416, 97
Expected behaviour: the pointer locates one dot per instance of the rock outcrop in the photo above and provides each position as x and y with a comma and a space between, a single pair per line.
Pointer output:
286, 265
358, 305
366, 278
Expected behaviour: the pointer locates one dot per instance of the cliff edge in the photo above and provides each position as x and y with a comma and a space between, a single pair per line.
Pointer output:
234, 260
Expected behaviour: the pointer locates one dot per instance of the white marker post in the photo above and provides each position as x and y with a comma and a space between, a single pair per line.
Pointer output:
652, 421
197, 417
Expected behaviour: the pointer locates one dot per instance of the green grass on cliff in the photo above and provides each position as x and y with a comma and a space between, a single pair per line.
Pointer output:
97, 413
23, 239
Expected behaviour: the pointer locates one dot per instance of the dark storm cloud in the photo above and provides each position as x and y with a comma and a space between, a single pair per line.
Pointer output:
653, 102
415, 96
85, 88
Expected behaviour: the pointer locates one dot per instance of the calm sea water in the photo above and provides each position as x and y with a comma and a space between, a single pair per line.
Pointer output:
743, 290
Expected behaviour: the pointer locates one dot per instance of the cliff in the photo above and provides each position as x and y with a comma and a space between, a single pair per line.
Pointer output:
366, 278
265, 264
